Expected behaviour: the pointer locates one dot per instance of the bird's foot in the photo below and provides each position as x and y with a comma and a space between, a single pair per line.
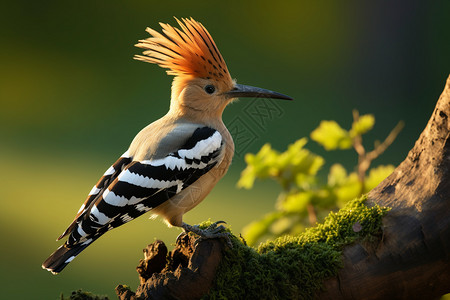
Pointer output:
215, 230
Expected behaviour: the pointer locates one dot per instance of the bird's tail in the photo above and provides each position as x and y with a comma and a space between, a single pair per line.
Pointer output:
63, 256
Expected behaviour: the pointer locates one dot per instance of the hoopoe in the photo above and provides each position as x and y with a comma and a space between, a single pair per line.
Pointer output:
173, 163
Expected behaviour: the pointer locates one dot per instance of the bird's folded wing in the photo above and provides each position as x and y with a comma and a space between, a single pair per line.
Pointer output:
99, 188
143, 185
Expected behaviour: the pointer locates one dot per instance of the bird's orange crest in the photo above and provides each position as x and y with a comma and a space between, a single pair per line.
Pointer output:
190, 51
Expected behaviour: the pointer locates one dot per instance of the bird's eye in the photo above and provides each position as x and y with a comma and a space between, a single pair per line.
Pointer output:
210, 89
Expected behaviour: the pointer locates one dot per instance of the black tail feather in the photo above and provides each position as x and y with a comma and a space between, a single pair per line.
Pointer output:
63, 256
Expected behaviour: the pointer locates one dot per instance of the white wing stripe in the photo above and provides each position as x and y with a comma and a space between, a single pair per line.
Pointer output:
171, 162
143, 181
68, 260
203, 147
110, 171
126, 218
94, 191
81, 231
102, 219
134, 200
126, 154
142, 207
81, 208
112, 199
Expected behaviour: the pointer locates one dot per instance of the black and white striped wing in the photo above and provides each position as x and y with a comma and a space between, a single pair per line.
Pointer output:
68, 251
143, 185
130, 188
99, 188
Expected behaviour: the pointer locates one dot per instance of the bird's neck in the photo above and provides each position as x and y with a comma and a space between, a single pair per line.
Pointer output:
195, 115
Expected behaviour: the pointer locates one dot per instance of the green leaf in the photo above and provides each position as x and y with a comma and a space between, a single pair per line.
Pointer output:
307, 163
337, 175
292, 155
364, 124
377, 175
297, 203
324, 198
348, 189
298, 165
288, 167
262, 165
332, 136
247, 179
282, 225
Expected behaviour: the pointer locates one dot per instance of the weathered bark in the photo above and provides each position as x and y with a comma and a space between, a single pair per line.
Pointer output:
411, 261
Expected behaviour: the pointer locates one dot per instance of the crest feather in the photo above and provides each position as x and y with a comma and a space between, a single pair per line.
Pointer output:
189, 51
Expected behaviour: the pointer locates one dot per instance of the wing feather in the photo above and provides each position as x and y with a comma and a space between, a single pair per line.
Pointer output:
98, 189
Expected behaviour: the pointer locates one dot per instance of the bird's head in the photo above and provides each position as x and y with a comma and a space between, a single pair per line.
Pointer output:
202, 83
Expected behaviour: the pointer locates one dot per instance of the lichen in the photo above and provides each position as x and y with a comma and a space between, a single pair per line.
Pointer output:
294, 267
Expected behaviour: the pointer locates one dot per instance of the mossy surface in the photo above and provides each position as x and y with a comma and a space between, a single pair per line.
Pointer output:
83, 295
294, 267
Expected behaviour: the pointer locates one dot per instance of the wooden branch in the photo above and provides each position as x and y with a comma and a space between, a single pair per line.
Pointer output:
410, 261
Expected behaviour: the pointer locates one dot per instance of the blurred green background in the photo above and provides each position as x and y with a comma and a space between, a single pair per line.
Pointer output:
72, 98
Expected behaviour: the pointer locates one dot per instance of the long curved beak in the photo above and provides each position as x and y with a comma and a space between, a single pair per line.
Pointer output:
241, 90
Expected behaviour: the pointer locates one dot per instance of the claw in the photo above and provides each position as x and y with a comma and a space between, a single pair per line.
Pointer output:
211, 232
214, 226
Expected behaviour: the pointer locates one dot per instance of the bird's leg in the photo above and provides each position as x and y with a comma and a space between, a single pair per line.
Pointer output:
211, 232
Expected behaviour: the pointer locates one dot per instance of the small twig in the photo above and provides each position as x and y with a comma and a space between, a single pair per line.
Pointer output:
379, 149
357, 141
311, 214
361, 151
366, 158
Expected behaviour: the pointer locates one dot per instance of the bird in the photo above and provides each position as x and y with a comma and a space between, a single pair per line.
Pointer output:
172, 164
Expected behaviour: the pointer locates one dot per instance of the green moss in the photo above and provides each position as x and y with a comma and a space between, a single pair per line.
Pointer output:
294, 267
82, 295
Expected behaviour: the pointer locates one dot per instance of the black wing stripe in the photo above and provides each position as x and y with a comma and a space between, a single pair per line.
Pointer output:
199, 134
129, 190
150, 171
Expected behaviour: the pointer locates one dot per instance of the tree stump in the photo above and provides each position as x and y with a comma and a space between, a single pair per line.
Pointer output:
187, 272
